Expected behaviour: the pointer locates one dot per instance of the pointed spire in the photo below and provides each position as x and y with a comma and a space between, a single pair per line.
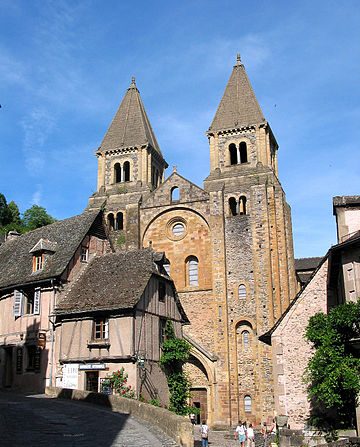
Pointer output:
238, 106
131, 126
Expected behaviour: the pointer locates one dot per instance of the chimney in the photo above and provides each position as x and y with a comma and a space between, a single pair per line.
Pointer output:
12, 235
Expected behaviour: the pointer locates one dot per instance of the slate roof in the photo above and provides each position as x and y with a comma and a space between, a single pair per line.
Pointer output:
131, 126
113, 281
307, 263
238, 107
66, 235
346, 201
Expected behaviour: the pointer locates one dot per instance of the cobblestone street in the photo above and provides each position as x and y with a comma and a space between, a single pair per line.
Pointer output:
41, 421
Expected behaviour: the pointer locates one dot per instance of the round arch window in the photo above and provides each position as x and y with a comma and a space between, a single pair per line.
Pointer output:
176, 229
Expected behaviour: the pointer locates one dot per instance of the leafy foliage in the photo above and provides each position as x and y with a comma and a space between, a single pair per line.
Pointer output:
14, 213
5, 215
118, 382
33, 218
36, 217
175, 352
333, 373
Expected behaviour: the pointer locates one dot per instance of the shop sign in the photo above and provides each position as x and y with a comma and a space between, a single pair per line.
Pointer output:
92, 367
70, 376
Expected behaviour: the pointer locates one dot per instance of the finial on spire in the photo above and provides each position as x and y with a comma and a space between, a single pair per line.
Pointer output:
174, 168
238, 59
133, 84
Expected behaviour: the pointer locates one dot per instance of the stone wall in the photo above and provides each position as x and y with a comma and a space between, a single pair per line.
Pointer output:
291, 350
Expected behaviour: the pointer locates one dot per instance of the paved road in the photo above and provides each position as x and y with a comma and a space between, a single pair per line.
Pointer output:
40, 421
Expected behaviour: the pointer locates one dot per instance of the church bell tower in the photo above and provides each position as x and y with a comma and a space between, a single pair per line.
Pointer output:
130, 165
255, 221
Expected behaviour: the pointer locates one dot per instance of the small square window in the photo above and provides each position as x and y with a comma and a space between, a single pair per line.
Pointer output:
29, 304
38, 262
101, 329
84, 256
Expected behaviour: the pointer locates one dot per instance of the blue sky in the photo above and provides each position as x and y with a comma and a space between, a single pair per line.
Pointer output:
65, 65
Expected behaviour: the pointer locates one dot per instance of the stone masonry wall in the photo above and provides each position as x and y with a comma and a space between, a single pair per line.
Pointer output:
292, 351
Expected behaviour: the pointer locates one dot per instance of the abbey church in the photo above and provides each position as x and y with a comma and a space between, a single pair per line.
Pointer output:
228, 244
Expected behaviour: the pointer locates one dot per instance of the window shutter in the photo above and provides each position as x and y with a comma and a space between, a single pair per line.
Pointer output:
37, 295
18, 303
106, 329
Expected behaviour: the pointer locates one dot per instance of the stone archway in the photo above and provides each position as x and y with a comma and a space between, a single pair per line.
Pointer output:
200, 391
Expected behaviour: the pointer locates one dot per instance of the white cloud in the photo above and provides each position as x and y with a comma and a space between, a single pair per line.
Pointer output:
37, 127
37, 196
11, 70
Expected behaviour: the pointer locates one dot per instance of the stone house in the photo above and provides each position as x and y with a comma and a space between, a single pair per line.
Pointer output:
229, 244
336, 280
35, 270
114, 316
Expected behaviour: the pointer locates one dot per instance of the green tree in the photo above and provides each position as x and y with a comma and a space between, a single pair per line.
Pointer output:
5, 215
175, 352
14, 212
333, 373
36, 217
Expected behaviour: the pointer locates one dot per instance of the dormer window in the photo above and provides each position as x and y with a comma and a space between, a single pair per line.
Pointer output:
38, 262
84, 256
40, 249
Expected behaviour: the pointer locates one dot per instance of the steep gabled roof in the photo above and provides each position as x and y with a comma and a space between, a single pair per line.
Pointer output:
66, 235
131, 126
114, 281
238, 107
307, 263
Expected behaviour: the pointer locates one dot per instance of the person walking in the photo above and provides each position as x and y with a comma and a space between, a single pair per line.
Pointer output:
204, 432
240, 433
192, 418
250, 436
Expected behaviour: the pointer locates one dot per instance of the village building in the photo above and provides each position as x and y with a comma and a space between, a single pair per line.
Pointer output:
72, 311
35, 270
336, 280
229, 244
114, 317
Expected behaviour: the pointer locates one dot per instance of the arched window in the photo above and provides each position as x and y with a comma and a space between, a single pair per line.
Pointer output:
126, 171
242, 292
111, 222
247, 404
119, 224
232, 206
246, 340
233, 154
117, 173
242, 205
243, 153
192, 265
175, 194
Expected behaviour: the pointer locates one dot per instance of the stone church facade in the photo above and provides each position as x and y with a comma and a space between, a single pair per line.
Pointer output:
229, 243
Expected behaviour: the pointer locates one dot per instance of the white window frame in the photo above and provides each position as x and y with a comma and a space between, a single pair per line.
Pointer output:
84, 254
